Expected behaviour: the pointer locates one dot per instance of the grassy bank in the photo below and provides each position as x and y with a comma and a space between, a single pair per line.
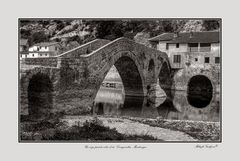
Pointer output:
91, 130
200, 130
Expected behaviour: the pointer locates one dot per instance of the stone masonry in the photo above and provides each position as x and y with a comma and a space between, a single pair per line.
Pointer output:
75, 76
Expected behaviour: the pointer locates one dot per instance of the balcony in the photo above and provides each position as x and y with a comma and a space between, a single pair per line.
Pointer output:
199, 47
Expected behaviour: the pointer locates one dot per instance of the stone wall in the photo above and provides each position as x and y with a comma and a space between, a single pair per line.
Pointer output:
77, 77
51, 61
194, 64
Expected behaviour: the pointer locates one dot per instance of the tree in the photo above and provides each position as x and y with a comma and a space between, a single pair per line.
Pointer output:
38, 37
104, 28
211, 24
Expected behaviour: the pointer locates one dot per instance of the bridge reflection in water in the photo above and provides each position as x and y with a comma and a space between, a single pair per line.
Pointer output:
111, 101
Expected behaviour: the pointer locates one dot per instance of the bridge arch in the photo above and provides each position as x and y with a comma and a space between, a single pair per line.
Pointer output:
129, 70
166, 83
38, 90
40, 95
132, 78
199, 91
85, 73
151, 65
164, 76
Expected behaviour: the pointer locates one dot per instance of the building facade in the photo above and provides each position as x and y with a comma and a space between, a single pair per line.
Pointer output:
44, 49
190, 54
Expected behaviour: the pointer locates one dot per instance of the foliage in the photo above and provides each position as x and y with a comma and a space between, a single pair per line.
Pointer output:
211, 24
39, 31
90, 130
38, 37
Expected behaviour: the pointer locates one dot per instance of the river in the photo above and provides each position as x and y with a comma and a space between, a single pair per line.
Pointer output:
112, 102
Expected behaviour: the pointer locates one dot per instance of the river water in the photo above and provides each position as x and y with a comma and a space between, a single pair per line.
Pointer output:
179, 105
113, 102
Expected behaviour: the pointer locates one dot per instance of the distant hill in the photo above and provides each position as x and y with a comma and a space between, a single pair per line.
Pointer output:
72, 33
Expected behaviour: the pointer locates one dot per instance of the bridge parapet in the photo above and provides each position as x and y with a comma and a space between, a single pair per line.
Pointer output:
109, 53
121, 43
85, 48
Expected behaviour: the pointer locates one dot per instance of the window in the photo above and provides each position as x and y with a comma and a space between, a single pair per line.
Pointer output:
176, 58
166, 46
45, 54
193, 47
33, 55
206, 60
55, 48
196, 59
217, 60
40, 54
177, 45
205, 47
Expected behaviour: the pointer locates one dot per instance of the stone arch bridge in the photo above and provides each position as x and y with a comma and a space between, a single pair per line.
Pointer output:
71, 80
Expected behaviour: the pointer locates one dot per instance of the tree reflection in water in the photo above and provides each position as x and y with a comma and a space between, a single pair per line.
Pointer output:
176, 107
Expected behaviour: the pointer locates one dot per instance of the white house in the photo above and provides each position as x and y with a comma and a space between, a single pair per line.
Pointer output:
44, 49
201, 47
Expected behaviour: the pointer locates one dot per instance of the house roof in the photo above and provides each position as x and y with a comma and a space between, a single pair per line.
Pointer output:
184, 37
46, 44
23, 42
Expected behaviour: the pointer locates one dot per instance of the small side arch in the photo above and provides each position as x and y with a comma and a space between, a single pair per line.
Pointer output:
151, 66
199, 91
40, 95
165, 78
37, 88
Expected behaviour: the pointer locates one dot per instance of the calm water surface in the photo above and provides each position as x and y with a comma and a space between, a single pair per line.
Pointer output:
113, 102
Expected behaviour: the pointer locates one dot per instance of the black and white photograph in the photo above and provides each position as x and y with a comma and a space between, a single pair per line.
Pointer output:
119, 80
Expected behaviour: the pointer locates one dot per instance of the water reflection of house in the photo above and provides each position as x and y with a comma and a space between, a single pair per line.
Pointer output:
113, 80
112, 84
108, 100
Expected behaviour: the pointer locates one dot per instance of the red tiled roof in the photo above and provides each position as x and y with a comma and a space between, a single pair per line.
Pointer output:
184, 37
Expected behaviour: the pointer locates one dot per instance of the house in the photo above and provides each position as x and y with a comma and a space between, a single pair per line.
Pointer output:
44, 49
199, 48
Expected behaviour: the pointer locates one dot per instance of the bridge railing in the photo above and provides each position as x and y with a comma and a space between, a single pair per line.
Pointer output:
121, 42
85, 48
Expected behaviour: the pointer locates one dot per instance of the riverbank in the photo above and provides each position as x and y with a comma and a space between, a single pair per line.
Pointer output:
200, 130
104, 128
129, 127
88, 130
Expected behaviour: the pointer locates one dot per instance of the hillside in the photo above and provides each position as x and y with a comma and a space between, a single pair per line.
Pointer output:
72, 33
